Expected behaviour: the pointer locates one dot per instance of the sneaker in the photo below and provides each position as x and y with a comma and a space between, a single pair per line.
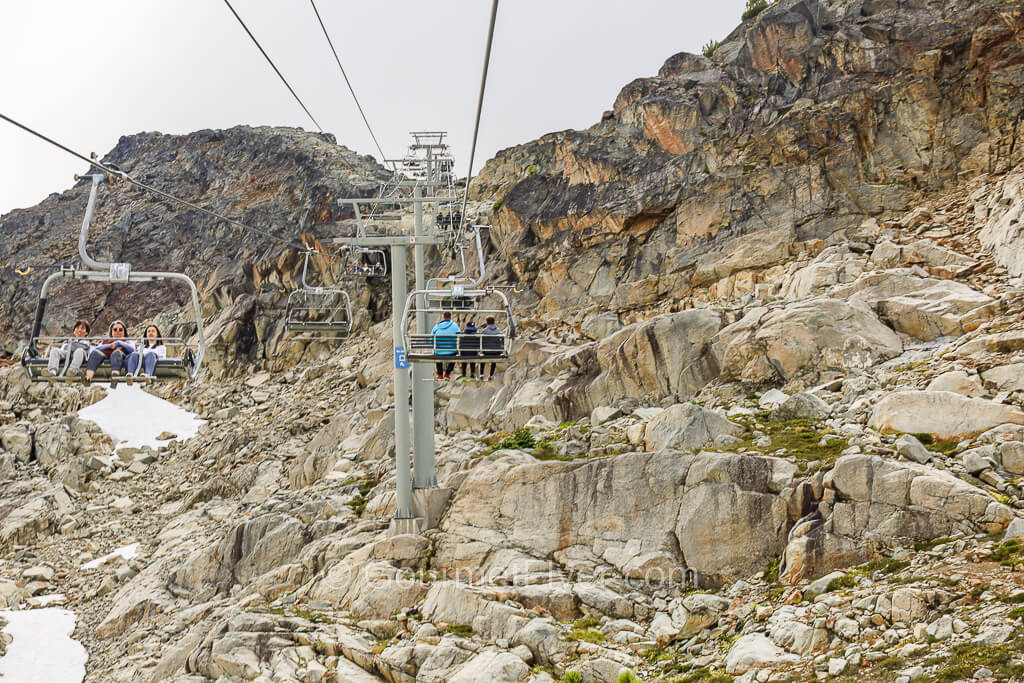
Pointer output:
113, 380
47, 372
74, 372
439, 377
447, 376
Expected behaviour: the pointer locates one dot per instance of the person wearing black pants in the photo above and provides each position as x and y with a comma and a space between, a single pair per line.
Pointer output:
491, 343
469, 346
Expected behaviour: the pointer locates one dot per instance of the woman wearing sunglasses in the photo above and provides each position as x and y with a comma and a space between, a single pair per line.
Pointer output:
114, 350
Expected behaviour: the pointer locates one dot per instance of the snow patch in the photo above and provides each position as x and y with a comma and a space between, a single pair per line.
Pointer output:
135, 418
126, 551
43, 649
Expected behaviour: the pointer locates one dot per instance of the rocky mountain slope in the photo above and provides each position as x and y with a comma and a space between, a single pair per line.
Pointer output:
765, 421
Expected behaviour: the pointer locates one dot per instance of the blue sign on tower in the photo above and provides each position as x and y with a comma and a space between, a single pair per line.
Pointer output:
400, 361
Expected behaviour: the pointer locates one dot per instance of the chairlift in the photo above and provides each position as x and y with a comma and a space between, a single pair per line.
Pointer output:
464, 305
366, 262
322, 312
462, 281
184, 364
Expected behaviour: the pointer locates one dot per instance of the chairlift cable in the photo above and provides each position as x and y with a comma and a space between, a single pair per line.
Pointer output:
479, 108
274, 67
121, 174
383, 157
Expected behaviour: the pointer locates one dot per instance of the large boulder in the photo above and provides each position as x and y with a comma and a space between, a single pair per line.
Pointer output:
834, 265
686, 427
942, 309
755, 651
945, 415
490, 665
814, 335
663, 357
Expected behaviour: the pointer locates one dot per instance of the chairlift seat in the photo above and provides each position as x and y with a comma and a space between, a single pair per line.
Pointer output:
167, 369
487, 348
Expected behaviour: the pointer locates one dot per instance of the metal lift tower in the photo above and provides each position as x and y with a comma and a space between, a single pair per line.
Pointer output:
429, 166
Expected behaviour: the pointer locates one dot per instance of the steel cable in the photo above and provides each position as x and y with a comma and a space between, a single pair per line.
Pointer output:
383, 157
274, 67
479, 108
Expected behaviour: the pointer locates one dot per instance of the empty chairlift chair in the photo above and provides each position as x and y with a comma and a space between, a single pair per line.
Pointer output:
463, 305
318, 312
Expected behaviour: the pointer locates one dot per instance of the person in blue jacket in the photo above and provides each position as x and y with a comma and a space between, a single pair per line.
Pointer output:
445, 343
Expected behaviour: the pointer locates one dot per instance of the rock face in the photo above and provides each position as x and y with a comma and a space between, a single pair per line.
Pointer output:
1003, 211
873, 502
690, 506
715, 171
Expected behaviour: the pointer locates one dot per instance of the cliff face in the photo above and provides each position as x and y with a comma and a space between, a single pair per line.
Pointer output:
285, 182
806, 121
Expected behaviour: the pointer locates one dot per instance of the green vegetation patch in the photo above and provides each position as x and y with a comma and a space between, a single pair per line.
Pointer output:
965, 658
848, 580
572, 677
754, 7
799, 438
709, 48
464, 630
586, 622
771, 575
1008, 553
587, 635
704, 674
886, 565
924, 546
358, 504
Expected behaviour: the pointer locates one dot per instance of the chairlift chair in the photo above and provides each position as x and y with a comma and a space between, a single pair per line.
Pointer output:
35, 358
319, 312
464, 304
366, 262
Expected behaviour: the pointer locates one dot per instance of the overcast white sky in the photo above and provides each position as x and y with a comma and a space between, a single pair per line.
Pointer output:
86, 73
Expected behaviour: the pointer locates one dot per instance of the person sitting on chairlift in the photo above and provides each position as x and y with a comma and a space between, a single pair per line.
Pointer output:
491, 346
469, 345
73, 352
445, 343
152, 350
114, 350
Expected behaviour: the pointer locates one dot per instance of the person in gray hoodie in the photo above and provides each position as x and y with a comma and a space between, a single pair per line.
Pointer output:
72, 353
490, 347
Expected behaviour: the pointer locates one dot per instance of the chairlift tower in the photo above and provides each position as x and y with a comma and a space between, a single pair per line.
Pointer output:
429, 167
